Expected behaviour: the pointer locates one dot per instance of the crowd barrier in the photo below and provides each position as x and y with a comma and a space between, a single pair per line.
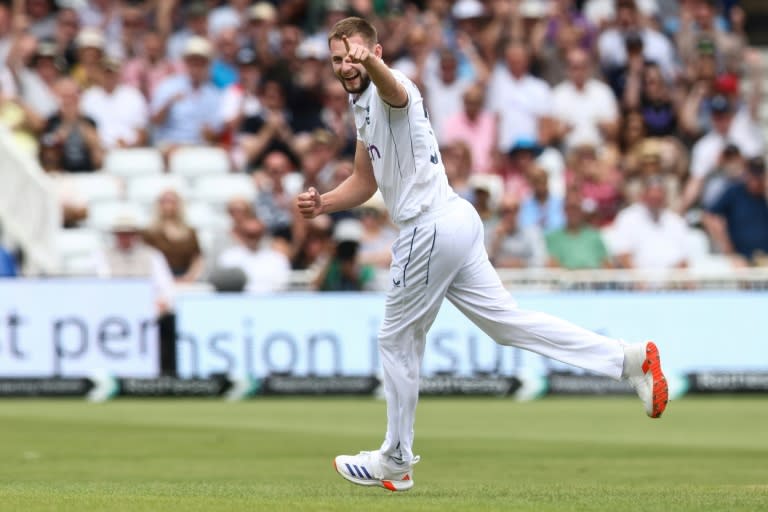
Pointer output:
88, 337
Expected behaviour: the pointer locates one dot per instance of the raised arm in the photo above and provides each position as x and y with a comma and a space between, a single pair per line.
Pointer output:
390, 90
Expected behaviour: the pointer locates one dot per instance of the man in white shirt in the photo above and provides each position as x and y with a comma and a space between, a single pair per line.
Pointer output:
266, 270
120, 111
584, 107
648, 235
729, 126
438, 253
523, 102
656, 47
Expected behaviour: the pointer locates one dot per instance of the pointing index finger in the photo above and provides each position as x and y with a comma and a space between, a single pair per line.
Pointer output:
346, 42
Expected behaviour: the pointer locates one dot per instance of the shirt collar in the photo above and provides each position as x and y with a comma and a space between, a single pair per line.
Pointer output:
362, 100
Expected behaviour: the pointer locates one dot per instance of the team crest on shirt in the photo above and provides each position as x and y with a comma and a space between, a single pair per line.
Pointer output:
374, 152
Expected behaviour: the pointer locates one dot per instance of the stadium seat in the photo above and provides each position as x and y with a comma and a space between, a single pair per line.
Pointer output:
202, 215
78, 251
133, 162
146, 189
217, 190
195, 161
90, 187
102, 215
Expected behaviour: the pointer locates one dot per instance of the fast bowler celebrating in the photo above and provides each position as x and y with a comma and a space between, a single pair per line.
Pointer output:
438, 253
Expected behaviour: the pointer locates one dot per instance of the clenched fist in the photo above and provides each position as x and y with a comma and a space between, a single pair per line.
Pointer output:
310, 203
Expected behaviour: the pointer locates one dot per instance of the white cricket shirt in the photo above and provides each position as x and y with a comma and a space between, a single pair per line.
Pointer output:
404, 151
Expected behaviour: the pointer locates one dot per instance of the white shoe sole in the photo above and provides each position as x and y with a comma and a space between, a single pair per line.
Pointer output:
391, 485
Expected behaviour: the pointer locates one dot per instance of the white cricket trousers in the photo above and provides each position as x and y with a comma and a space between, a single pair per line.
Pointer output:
442, 254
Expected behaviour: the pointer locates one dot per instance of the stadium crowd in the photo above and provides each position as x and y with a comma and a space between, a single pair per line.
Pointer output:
588, 134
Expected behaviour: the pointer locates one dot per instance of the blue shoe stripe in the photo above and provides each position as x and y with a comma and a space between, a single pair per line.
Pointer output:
368, 475
357, 470
349, 470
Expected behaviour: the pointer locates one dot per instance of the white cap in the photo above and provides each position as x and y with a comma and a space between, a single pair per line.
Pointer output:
348, 230
533, 9
90, 38
262, 11
312, 49
198, 46
466, 9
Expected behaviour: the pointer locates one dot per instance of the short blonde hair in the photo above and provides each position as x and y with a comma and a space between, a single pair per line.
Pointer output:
354, 26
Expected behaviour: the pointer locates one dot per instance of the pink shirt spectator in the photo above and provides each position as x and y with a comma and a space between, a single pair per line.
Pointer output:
146, 77
604, 194
479, 134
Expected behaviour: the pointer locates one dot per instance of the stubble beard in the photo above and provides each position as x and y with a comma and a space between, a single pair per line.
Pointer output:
365, 81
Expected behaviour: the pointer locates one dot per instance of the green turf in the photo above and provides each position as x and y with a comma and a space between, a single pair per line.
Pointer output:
477, 455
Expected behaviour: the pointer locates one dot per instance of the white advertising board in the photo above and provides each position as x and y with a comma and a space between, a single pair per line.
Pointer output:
75, 327
335, 333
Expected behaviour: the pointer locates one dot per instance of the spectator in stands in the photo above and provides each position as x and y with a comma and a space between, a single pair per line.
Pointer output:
509, 245
129, 256
67, 28
232, 14
41, 18
518, 165
306, 87
728, 127
728, 46
522, 101
170, 234
738, 220
70, 141
21, 121
542, 208
612, 48
37, 81
184, 106
149, 69
377, 234
262, 31
596, 180
474, 126
224, 68
195, 25
457, 160
106, 16
344, 271
729, 171
336, 116
90, 44
648, 160
648, 92
120, 111
577, 245
276, 187
584, 107
133, 27
647, 234
444, 89
266, 269
318, 159
270, 129
20, 80
315, 248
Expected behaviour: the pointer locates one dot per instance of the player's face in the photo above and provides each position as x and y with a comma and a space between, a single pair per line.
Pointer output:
353, 77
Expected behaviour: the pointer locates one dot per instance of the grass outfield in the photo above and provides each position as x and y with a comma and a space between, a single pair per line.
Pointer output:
477, 455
